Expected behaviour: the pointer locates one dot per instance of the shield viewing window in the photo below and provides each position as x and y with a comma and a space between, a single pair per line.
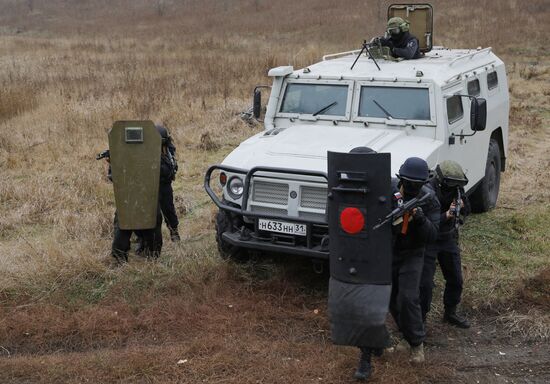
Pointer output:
133, 134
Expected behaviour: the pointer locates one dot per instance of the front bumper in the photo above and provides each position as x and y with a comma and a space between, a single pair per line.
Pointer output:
236, 239
314, 245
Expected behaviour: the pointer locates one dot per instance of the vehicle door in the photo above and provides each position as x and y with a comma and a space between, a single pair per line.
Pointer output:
468, 151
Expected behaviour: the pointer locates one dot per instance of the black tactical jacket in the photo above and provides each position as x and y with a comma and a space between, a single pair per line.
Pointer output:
447, 228
167, 169
406, 47
418, 234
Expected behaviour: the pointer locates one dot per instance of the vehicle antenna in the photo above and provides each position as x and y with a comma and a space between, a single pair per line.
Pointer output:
295, 56
365, 47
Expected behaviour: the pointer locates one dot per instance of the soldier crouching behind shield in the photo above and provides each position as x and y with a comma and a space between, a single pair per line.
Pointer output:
360, 259
411, 234
134, 156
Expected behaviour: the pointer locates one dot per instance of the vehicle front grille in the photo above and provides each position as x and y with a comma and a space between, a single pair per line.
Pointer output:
272, 193
313, 197
290, 198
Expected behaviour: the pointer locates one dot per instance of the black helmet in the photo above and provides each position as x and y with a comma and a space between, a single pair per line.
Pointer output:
414, 169
362, 150
163, 131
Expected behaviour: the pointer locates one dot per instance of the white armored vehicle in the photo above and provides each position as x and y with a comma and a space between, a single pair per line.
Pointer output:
450, 104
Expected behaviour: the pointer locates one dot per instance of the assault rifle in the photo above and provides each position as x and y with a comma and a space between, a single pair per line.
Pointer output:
400, 211
103, 155
457, 208
173, 162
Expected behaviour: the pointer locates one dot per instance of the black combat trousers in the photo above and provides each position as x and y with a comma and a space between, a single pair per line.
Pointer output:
405, 298
427, 279
151, 238
447, 253
166, 200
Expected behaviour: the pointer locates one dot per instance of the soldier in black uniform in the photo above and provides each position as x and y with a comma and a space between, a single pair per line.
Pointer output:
449, 181
410, 238
401, 43
151, 241
168, 169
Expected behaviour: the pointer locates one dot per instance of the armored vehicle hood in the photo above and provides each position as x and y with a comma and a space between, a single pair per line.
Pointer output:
305, 146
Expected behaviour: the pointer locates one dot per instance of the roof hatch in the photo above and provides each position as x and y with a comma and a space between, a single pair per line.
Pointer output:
420, 17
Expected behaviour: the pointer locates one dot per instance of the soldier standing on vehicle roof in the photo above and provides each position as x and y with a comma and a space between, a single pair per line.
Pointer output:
448, 184
401, 43
411, 234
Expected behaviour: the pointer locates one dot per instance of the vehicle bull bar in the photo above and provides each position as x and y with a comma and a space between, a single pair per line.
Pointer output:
246, 190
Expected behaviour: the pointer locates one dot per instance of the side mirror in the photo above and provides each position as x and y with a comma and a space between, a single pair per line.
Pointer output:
478, 114
257, 104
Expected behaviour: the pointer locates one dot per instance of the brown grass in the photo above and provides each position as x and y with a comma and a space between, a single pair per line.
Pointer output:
69, 69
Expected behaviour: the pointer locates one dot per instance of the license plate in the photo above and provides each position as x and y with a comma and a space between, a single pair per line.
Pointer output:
282, 227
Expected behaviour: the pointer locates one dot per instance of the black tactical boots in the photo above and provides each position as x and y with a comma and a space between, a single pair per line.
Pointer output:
364, 369
174, 235
455, 319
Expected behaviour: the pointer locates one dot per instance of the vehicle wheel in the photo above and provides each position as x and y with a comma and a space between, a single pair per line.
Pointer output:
225, 222
485, 196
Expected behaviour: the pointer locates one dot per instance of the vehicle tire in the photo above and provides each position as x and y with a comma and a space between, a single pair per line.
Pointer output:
224, 223
485, 196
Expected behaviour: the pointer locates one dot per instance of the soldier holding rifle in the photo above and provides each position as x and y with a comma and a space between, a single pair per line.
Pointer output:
411, 234
399, 40
361, 246
449, 187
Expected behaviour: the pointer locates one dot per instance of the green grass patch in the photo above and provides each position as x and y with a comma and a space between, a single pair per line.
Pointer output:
502, 248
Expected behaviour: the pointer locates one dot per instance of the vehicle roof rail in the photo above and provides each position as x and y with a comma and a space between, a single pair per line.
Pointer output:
340, 54
470, 55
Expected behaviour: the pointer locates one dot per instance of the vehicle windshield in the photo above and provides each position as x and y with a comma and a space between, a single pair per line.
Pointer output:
315, 99
395, 102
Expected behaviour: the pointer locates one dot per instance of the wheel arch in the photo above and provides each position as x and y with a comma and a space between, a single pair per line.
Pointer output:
497, 136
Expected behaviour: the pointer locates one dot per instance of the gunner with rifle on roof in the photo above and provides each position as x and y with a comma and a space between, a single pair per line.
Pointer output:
399, 40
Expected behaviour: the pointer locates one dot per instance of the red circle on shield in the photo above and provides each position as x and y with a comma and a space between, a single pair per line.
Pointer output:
352, 220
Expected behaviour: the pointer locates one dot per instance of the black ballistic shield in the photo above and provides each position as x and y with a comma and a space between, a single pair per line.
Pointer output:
359, 188
358, 314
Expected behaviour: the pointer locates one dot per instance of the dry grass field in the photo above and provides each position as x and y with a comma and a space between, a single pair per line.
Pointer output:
69, 68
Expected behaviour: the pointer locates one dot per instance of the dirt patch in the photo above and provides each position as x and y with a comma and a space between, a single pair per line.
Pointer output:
536, 290
264, 333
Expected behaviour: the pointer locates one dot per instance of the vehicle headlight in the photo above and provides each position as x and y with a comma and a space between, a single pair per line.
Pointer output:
235, 187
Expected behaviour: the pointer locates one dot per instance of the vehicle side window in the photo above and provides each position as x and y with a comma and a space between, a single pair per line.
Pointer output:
473, 88
492, 80
454, 109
